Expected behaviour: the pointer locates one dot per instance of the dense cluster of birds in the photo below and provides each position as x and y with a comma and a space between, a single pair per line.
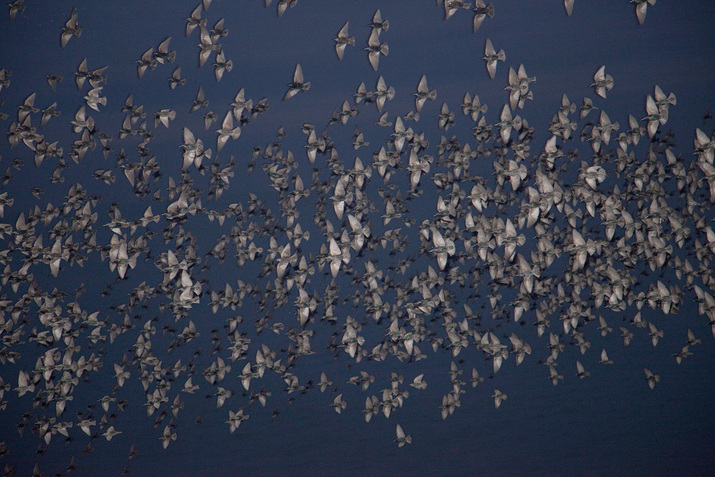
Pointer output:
403, 255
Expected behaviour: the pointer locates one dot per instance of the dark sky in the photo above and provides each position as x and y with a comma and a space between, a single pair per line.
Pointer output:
610, 423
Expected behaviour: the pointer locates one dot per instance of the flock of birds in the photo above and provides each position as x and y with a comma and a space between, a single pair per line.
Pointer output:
553, 237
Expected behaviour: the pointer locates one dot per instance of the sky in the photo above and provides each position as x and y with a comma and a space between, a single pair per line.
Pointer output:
609, 423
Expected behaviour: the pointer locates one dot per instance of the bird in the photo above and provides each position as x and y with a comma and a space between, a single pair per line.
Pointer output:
227, 131
651, 377
423, 94
378, 23
481, 11
339, 404
53, 80
222, 65
568, 6
194, 20
297, 85
491, 56
176, 80
343, 40
199, 102
602, 82
283, 5
147, 61
375, 48
499, 397
402, 439
71, 28
110, 433
163, 54
16, 7
642, 8
581, 371
419, 382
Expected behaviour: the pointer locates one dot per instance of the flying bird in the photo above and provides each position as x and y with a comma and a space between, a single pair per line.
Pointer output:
402, 439
642, 8
602, 82
297, 85
342, 40
70, 29
15, 8
423, 94
491, 56
375, 48
378, 23
481, 11
568, 5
